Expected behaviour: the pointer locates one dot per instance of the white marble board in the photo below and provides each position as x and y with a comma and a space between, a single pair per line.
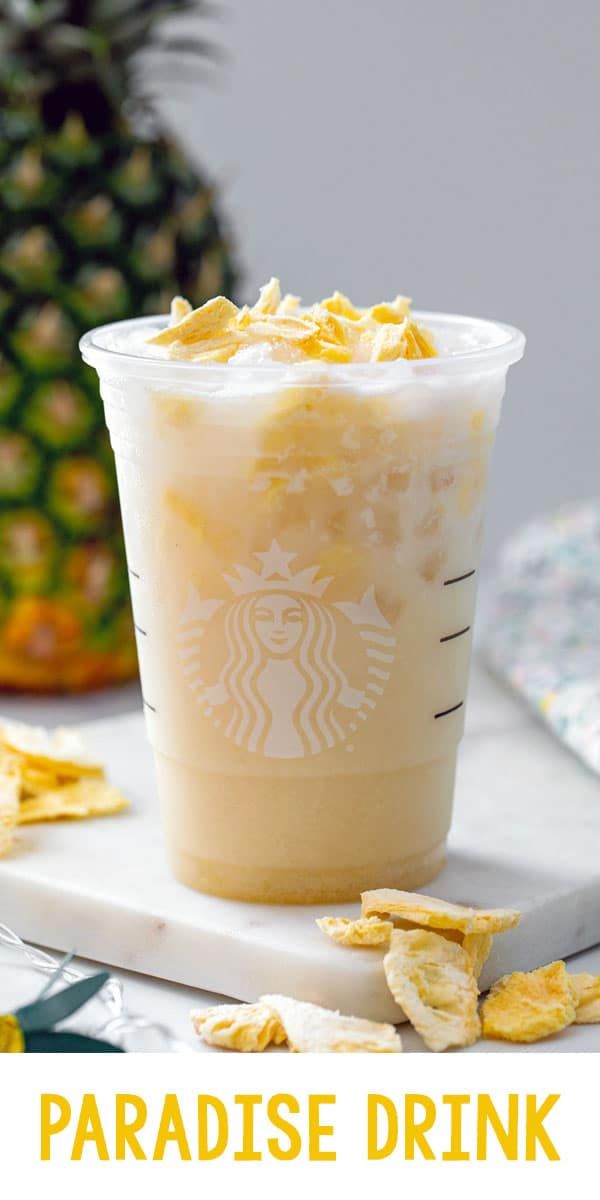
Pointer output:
526, 834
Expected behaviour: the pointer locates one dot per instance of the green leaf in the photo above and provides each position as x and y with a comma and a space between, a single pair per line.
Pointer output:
108, 12
131, 33
43, 1014
46, 1042
113, 10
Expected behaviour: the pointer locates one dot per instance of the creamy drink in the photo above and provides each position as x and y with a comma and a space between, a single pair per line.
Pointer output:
302, 496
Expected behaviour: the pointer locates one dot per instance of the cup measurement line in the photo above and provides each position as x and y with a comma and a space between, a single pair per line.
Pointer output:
446, 712
459, 633
134, 573
144, 632
147, 704
459, 578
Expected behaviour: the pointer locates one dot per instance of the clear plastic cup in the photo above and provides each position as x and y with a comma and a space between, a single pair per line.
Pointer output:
303, 544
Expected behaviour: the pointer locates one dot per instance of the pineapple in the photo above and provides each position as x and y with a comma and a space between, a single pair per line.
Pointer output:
97, 223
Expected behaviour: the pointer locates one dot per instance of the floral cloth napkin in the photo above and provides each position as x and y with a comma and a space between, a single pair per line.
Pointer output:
543, 634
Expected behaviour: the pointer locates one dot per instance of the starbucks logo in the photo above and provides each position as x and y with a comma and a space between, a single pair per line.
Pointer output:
283, 689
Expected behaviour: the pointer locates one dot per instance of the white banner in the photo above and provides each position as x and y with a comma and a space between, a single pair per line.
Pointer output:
272, 1122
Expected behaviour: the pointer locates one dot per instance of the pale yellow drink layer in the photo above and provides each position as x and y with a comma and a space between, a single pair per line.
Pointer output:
306, 543
332, 330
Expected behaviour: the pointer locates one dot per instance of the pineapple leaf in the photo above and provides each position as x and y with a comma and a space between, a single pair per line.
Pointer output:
106, 11
204, 47
64, 33
64, 39
31, 14
47, 45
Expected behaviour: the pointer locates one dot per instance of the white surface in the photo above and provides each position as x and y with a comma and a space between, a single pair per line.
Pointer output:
527, 833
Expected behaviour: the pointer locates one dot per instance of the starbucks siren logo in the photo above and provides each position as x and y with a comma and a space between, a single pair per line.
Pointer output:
282, 692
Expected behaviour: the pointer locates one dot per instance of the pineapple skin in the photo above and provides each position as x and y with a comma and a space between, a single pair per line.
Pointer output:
92, 229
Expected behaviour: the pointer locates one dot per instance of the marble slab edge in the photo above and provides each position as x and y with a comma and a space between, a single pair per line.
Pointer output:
239, 966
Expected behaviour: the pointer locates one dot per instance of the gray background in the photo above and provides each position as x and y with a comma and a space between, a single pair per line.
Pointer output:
446, 149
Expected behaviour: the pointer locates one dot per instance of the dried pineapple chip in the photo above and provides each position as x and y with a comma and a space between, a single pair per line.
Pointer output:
180, 308
411, 343
10, 785
477, 946
22, 778
217, 349
62, 751
437, 914
527, 1006
390, 314
365, 931
586, 990
389, 343
290, 329
332, 327
340, 304
333, 330
269, 298
85, 798
212, 318
326, 350
34, 779
244, 318
310, 1029
8, 820
248, 1028
424, 342
432, 980
289, 304
213, 354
